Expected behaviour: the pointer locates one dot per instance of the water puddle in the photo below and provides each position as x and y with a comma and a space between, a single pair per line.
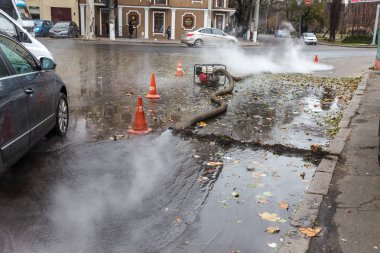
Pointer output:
262, 181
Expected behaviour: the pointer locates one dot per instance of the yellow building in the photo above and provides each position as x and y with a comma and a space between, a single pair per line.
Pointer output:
54, 10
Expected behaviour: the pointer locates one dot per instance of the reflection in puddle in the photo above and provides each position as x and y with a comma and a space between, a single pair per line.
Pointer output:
262, 180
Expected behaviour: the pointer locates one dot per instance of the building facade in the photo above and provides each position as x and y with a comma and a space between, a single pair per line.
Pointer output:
151, 18
54, 10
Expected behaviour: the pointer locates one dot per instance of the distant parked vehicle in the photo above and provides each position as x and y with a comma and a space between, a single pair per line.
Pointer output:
309, 38
207, 36
32, 101
282, 34
42, 27
64, 29
13, 29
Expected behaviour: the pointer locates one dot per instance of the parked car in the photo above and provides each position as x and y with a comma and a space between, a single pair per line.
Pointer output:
282, 34
309, 38
207, 36
64, 29
42, 27
33, 101
12, 28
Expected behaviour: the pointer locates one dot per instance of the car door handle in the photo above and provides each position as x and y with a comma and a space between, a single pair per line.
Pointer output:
29, 91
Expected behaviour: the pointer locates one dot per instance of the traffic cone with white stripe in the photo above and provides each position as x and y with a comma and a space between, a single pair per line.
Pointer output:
153, 89
139, 124
179, 68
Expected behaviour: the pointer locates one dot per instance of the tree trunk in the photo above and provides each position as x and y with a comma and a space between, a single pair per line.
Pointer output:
335, 10
90, 21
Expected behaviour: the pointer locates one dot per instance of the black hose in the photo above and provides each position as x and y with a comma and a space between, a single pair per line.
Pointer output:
214, 98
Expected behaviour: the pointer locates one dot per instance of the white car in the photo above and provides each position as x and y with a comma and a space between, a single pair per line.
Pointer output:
12, 28
207, 36
309, 38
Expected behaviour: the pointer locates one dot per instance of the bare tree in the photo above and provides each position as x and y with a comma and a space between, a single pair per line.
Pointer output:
90, 20
335, 10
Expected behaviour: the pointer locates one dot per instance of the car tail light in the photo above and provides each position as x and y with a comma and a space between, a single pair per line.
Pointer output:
189, 34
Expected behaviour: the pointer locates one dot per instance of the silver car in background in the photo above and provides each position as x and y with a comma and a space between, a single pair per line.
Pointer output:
207, 36
309, 38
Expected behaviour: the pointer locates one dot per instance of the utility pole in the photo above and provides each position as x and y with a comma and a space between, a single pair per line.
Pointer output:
111, 20
90, 20
256, 21
376, 22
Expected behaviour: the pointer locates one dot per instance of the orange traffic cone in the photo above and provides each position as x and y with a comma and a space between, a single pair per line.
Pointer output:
179, 68
153, 89
316, 59
139, 125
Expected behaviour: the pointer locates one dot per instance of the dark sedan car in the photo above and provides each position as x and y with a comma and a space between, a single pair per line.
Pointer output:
32, 101
64, 29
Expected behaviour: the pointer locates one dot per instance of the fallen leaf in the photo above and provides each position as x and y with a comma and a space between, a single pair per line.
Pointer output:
268, 194
269, 216
315, 148
178, 219
272, 230
214, 164
310, 232
258, 174
202, 124
235, 194
302, 175
284, 205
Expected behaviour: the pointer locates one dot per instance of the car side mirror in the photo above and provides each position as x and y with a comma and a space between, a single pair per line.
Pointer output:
24, 37
47, 63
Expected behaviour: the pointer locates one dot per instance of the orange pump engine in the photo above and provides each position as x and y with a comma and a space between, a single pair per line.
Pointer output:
205, 74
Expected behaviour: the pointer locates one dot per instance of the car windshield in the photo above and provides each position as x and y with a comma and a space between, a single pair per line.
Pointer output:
38, 23
24, 12
61, 25
309, 35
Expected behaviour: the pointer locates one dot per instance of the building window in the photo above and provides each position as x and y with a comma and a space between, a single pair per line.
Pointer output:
197, 1
188, 21
158, 22
219, 21
134, 17
165, 2
219, 3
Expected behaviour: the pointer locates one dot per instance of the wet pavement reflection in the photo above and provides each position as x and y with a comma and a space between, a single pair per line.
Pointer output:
159, 193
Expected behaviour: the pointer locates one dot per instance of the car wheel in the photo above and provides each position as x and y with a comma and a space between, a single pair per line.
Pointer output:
62, 120
231, 43
198, 43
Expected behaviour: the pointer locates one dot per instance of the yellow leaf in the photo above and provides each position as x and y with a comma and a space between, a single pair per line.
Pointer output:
214, 164
178, 219
272, 230
284, 205
202, 124
269, 216
310, 232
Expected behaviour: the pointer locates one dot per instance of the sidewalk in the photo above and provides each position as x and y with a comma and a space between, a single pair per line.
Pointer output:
242, 43
350, 213
344, 195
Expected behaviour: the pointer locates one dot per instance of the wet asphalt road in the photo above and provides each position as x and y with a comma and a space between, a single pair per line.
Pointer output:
87, 193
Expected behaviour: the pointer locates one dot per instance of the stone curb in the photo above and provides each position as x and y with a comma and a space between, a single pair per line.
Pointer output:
307, 211
152, 42
332, 45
